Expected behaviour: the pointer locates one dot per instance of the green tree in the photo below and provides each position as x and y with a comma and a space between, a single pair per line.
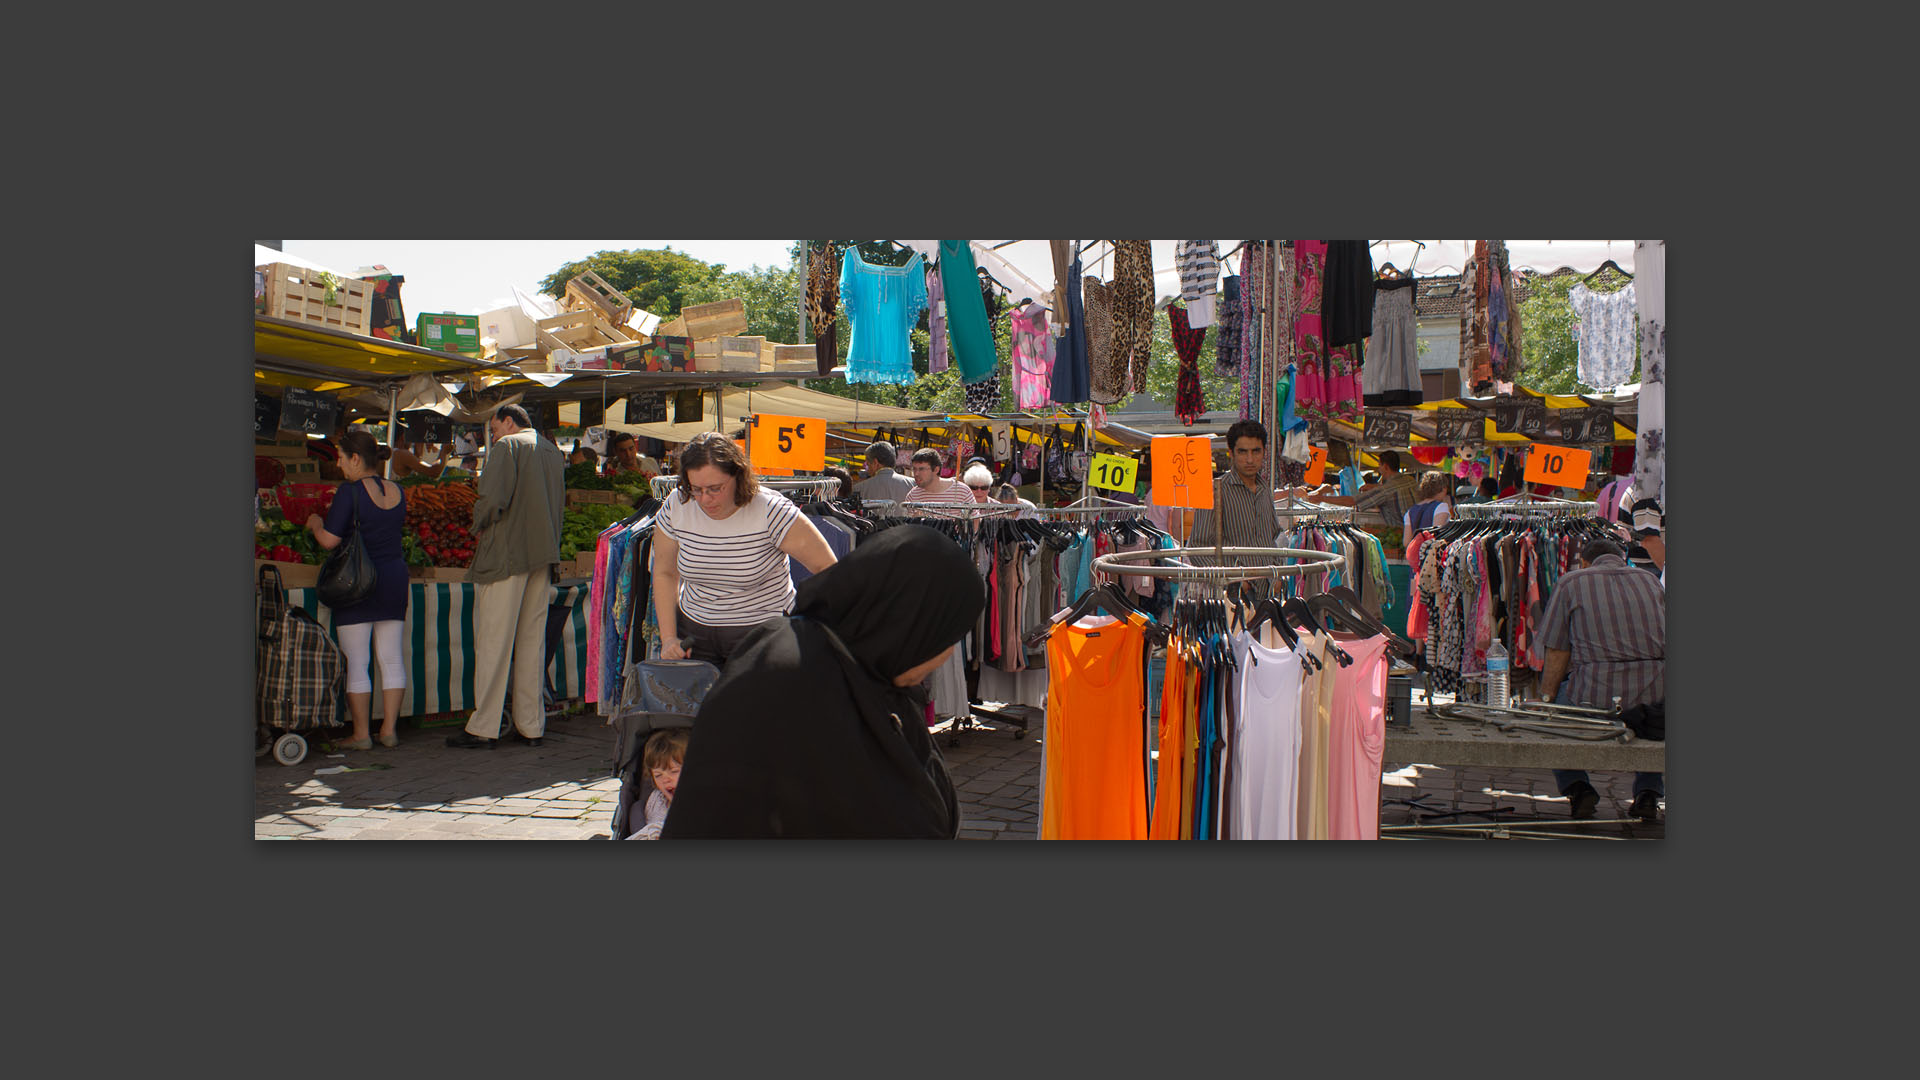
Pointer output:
1547, 326
771, 295
656, 281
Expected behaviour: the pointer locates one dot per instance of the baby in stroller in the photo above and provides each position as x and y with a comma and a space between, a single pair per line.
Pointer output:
664, 753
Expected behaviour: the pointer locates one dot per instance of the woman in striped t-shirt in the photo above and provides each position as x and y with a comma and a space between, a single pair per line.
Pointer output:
720, 553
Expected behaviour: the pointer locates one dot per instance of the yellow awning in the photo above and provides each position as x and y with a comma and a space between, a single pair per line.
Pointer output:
290, 353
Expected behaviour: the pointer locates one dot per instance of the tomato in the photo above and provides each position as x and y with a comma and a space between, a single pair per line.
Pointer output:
283, 553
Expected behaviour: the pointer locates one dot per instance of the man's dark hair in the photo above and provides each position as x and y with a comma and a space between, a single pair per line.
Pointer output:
1489, 487
846, 481
929, 455
1246, 429
883, 453
514, 413
1389, 459
1597, 548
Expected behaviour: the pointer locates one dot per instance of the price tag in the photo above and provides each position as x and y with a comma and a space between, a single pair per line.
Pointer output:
1317, 468
1560, 466
266, 415
788, 442
425, 425
1113, 472
1182, 470
1381, 428
309, 413
647, 407
1456, 427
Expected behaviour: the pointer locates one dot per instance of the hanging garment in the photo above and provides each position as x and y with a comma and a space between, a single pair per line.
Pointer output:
883, 303
1107, 367
936, 321
1650, 297
1605, 336
1328, 384
1063, 259
968, 330
1347, 303
1188, 401
1255, 343
1132, 294
1266, 742
1391, 375
1172, 737
1072, 379
982, 397
823, 300
1094, 776
1358, 740
1476, 355
1226, 352
1199, 265
1032, 342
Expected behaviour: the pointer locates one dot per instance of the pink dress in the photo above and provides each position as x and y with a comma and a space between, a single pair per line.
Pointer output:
1359, 740
1327, 382
1032, 357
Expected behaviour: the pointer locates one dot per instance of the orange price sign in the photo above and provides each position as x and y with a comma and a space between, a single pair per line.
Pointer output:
788, 442
1560, 466
1317, 468
1183, 471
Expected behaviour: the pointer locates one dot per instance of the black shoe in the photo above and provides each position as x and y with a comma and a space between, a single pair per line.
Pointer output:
466, 740
524, 741
1584, 798
1646, 806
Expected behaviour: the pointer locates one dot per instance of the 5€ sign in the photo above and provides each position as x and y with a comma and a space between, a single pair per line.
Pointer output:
789, 442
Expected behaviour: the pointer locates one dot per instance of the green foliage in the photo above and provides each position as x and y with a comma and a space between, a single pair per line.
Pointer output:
656, 281
772, 297
1547, 325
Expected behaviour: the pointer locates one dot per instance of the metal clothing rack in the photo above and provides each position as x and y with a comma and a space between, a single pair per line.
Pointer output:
819, 486
1525, 503
1306, 561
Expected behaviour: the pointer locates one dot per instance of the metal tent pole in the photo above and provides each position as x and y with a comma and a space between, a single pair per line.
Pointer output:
393, 405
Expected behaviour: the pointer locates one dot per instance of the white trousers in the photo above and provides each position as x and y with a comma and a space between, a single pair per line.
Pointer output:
510, 626
358, 641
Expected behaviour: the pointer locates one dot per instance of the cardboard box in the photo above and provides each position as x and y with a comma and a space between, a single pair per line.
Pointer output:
292, 575
509, 327
627, 357
666, 353
572, 360
718, 319
450, 333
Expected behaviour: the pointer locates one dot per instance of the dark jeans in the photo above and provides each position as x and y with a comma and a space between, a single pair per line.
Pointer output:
714, 644
1566, 778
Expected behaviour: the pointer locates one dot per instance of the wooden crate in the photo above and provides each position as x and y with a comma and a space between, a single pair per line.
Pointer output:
579, 331
295, 292
292, 575
718, 319
575, 496
590, 292
674, 327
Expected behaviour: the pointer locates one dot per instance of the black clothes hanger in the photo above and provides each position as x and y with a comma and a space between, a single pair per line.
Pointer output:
1598, 269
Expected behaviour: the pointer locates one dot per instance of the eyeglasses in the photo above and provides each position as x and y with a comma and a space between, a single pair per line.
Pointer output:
979, 487
711, 489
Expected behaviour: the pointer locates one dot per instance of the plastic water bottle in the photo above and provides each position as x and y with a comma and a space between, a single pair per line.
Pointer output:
1497, 676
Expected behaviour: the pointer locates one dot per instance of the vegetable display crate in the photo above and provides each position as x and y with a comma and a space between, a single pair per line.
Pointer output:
590, 292
297, 293
437, 644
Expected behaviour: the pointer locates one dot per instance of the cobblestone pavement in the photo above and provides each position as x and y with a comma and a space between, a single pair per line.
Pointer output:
564, 790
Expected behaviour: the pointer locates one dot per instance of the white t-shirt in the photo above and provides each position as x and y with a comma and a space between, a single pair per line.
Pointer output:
732, 572
1266, 744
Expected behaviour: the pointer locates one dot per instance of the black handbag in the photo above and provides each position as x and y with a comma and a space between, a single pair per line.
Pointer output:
348, 576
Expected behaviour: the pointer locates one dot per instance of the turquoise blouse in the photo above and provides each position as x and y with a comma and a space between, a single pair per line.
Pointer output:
883, 304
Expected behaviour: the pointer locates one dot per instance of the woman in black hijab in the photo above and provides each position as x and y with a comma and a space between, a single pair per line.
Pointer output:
818, 727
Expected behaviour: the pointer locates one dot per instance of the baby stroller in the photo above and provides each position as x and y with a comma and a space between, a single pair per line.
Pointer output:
660, 694
300, 676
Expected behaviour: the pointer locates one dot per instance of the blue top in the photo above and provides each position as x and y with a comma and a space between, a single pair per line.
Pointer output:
380, 531
883, 303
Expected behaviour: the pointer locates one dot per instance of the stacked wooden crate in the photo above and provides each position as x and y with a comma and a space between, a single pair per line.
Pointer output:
302, 295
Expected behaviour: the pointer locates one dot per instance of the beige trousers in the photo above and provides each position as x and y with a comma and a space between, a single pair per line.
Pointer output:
510, 625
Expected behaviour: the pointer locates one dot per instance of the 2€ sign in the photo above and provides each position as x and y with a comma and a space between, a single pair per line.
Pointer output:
789, 442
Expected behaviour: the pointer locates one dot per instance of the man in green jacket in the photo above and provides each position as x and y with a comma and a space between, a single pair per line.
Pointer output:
517, 521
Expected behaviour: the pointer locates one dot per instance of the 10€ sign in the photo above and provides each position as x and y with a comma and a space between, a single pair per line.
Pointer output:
1113, 472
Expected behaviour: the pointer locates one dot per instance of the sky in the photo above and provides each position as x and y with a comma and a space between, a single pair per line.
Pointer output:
468, 277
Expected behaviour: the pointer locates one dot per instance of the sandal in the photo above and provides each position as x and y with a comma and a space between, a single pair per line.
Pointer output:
349, 744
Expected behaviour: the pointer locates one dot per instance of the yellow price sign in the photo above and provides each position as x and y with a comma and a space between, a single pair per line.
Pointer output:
788, 442
1113, 472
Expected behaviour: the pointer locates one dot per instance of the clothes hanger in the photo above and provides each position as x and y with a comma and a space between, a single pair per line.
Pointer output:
1603, 266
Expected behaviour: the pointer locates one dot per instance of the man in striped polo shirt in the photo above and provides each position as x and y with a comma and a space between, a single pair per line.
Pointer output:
1605, 635
1243, 514
929, 488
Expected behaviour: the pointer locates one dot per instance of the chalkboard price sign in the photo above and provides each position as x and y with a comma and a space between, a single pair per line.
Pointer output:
1533, 420
266, 415
688, 406
1384, 428
1516, 416
308, 412
545, 415
647, 407
425, 425
1591, 425
1458, 427
592, 412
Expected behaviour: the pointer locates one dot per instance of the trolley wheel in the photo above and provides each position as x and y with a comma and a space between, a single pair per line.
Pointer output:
289, 749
